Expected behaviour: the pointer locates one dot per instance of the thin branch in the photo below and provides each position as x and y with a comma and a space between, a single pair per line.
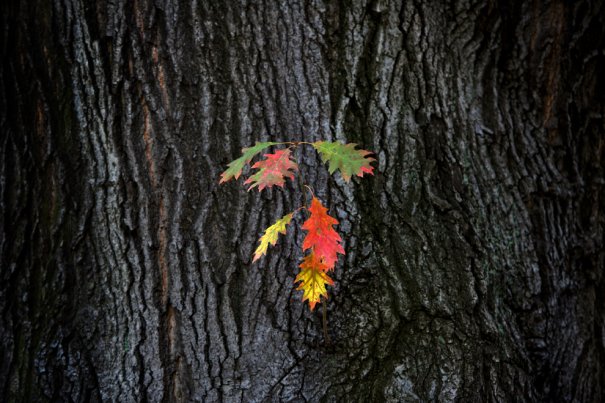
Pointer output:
325, 322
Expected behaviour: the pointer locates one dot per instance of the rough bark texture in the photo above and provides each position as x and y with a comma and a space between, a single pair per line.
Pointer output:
475, 263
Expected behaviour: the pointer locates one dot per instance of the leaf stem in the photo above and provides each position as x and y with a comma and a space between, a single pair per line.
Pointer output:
298, 209
295, 143
325, 322
310, 190
301, 177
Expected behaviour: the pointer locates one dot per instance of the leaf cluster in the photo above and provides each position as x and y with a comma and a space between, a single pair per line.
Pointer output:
322, 242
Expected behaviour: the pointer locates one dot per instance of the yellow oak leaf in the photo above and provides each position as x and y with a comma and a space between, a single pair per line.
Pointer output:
271, 234
313, 279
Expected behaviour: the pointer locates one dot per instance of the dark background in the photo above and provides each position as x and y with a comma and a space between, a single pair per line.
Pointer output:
474, 265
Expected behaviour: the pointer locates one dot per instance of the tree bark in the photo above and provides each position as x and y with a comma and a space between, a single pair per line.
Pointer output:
474, 266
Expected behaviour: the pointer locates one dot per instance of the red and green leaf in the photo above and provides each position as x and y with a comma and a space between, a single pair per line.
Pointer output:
272, 170
271, 234
345, 158
236, 166
322, 238
313, 279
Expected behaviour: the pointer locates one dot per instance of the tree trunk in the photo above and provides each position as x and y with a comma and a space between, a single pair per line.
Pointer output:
474, 266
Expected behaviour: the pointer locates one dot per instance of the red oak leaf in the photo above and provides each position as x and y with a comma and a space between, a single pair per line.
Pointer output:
235, 167
322, 237
273, 170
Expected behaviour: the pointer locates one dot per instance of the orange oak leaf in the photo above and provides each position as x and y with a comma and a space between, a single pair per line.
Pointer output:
322, 238
273, 170
313, 279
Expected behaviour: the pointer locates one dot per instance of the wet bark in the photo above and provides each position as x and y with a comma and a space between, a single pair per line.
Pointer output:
474, 265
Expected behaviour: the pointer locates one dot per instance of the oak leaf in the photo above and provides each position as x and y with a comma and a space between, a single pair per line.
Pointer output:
345, 158
271, 234
236, 166
313, 279
322, 238
272, 170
